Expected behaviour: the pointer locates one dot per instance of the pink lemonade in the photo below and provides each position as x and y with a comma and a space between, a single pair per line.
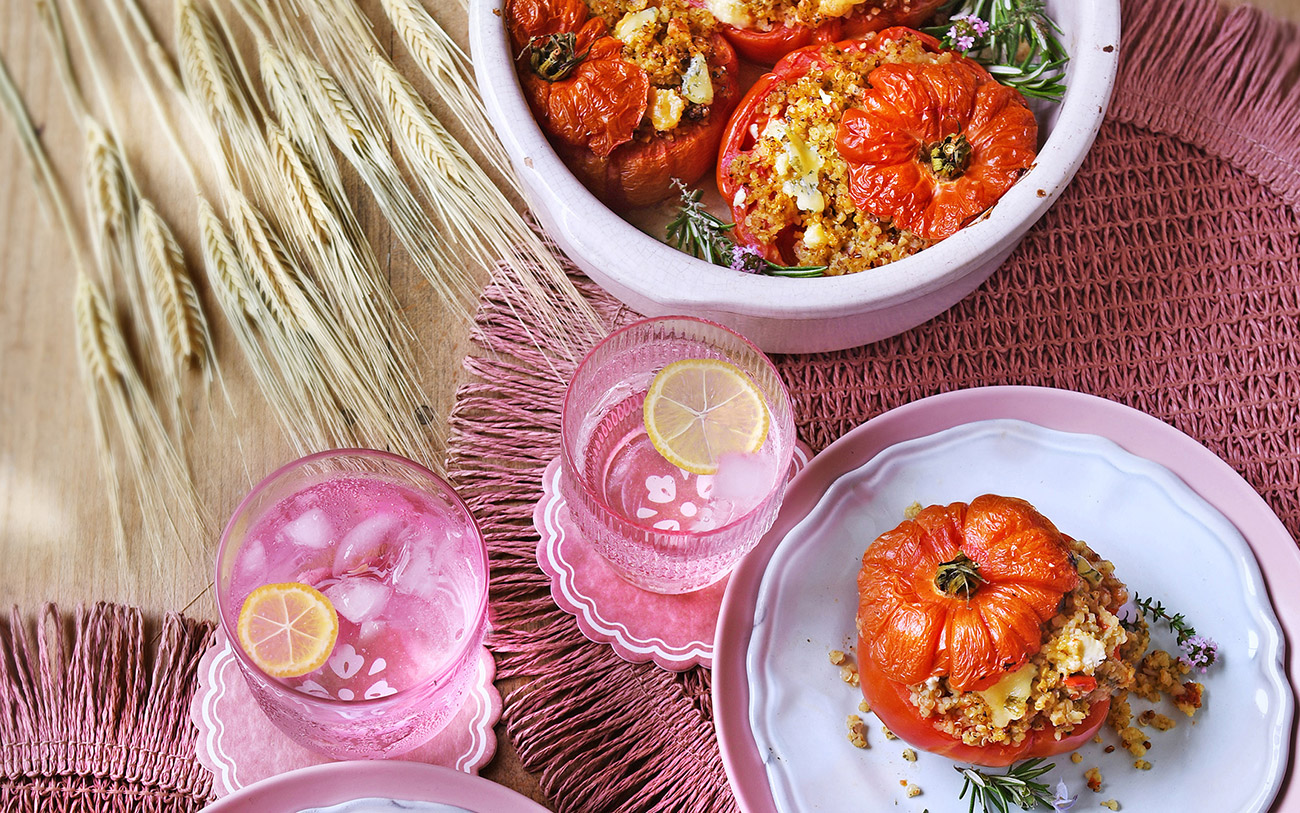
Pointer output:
639, 483
404, 569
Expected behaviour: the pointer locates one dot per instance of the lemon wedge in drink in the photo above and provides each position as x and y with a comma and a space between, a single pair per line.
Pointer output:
698, 410
287, 629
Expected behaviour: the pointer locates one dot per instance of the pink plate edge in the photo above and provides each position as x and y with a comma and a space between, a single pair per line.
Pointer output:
337, 782
1062, 410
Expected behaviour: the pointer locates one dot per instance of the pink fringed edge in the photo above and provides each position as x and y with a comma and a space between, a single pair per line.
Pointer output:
1227, 81
93, 717
602, 734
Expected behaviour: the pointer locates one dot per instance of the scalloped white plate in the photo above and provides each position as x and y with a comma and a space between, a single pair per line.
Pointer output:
786, 747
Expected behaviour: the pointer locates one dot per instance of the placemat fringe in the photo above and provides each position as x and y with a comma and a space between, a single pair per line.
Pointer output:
90, 702
1227, 81
504, 432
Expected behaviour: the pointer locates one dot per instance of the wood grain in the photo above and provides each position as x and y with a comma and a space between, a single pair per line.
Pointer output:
55, 536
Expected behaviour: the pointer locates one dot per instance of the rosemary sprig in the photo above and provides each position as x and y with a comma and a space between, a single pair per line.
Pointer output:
700, 233
1014, 39
1018, 786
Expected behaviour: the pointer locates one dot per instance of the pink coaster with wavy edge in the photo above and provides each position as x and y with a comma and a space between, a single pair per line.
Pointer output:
676, 632
238, 745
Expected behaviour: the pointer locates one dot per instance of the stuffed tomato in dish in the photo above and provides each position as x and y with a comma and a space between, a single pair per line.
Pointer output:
763, 31
857, 154
986, 635
633, 94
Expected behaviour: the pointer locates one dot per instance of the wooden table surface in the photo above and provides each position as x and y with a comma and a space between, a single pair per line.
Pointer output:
55, 539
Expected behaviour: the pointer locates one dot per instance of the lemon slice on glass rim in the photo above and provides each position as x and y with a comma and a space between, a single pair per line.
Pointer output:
698, 410
287, 629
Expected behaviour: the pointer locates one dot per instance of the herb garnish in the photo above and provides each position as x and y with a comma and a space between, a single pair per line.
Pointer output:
1018, 786
1199, 652
1014, 39
700, 233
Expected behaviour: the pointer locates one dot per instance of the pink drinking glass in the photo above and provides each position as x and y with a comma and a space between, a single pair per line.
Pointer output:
399, 556
662, 528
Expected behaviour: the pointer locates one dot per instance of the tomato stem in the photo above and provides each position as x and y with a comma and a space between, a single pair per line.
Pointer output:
950, 157
958, 576
554, 56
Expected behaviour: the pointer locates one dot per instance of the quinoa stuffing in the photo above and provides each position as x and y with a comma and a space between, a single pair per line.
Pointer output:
765, 15
857, 731
672, 41
1059, 684
795, 183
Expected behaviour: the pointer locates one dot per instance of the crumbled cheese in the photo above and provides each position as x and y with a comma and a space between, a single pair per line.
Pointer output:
665, 109
731, 12
913, 791
697, 87
814, 236
837, 8
633, 22
837, 657
738, 199
798, 166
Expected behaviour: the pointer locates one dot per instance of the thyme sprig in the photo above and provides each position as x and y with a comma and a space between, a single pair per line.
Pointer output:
1198, 651
700, 233
1019, 786
1014, 39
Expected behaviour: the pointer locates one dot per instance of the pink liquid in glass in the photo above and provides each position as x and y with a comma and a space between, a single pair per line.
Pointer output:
405, 570
639, 483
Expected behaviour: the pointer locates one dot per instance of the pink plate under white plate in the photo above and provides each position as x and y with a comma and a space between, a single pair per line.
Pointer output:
240, 746
1106, 473
339, 782
674, 631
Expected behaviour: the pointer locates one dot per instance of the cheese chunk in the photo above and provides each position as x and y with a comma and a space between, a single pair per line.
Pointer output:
1008, 699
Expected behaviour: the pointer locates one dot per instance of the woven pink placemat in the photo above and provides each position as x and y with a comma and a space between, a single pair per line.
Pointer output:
1167, 278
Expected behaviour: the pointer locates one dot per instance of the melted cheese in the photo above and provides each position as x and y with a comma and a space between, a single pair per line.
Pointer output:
697, 87
731, 12
665, 109
1008, 699
633, 22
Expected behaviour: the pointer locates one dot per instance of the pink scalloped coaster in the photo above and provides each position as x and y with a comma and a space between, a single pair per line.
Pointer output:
676, 632
238, 745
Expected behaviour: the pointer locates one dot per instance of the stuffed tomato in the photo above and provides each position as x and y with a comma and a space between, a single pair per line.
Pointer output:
631, 94
857, 154
763, 31
987, 636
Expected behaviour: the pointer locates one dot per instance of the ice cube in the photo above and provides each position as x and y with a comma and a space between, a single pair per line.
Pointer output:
250, 564
311, 530
365, 546
741, 478
359, 598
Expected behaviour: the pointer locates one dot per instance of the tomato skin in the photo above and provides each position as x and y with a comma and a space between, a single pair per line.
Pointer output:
767, 47
749, 114
891, 702
593, 116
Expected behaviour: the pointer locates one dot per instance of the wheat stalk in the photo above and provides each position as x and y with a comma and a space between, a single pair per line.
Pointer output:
206, 68
182, 320
448, 70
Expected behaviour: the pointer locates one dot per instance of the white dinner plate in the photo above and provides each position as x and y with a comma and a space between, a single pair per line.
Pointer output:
1102, 473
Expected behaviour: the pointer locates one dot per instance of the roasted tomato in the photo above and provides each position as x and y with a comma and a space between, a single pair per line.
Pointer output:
899, 142
933, 146
625, 125
763, 31
963, 593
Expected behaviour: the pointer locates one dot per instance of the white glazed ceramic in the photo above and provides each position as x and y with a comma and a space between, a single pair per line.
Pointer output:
1178, 523
799, 315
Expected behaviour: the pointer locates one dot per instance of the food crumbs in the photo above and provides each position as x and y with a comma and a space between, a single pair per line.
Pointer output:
913, 791
849, 674
912, 511
889, 735
864, 707
1141, 764
857, 731
1156, 720
1110, 804
1076, 757
909, 754
1093, 775
837, 657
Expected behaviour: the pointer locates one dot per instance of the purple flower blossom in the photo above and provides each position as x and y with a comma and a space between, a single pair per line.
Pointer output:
746, 260
965, 31
1063, 800
1199, 652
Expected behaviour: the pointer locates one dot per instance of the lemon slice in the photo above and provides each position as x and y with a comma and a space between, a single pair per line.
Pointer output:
287, 629
698, 410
